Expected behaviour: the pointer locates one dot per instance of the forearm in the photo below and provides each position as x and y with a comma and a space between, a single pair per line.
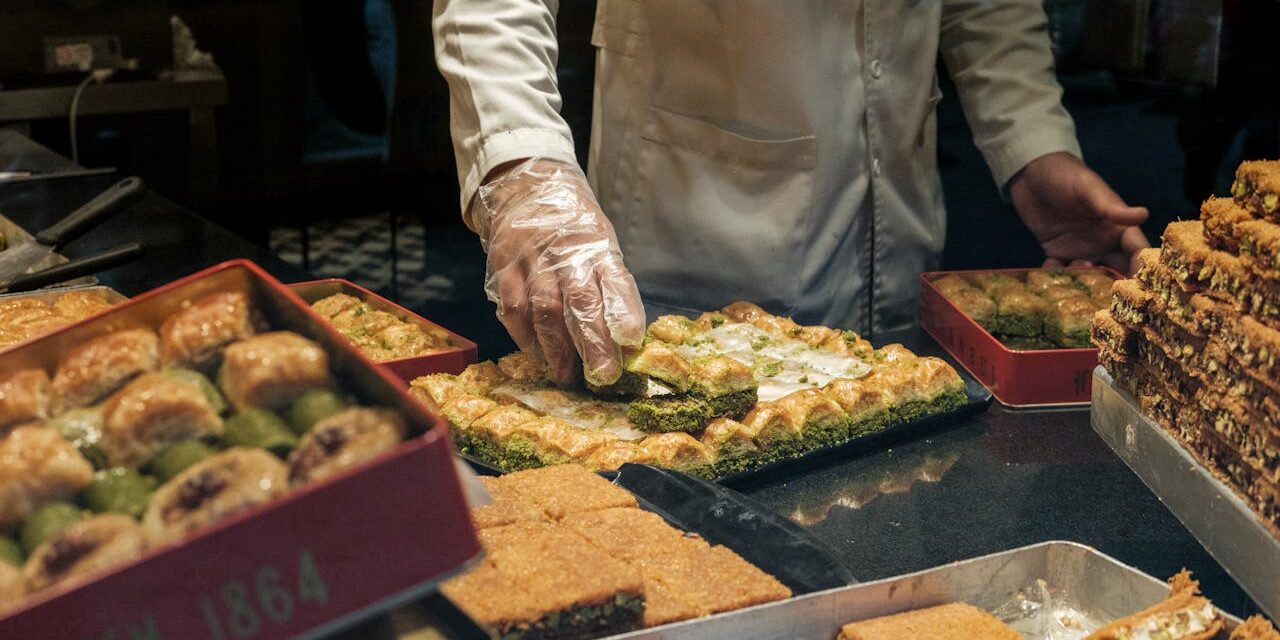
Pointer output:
499, 59
999, 56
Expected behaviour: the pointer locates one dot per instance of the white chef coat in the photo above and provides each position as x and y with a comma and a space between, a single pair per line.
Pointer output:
777, 151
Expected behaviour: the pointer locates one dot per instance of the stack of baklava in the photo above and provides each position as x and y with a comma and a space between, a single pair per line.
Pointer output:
1196, 336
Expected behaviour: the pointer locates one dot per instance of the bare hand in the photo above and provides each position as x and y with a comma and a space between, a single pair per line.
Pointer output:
1077, 218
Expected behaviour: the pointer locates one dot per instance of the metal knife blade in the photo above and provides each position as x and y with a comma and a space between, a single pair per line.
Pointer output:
76, 268
16, 260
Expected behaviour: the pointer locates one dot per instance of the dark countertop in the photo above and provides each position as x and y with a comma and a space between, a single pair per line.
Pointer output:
20, 153
177, 242
1000, 480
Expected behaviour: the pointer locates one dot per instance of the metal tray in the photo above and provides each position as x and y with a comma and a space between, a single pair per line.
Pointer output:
978, 399
1085, 585
49, 295
15, 235
449, 361
1214, 514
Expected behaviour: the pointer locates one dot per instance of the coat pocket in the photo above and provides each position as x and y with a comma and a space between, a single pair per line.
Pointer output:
617, 26
715, 216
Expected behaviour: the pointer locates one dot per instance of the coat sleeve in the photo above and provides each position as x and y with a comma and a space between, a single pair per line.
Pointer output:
499, 59
999, 57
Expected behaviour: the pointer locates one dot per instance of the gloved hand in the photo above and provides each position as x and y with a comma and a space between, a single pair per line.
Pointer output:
555, 270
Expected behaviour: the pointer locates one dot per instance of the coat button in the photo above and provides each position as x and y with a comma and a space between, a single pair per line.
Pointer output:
875, 167
876, 69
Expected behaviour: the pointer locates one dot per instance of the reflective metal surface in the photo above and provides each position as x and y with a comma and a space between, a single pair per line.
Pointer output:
1219, 519
15, 236
1053, 590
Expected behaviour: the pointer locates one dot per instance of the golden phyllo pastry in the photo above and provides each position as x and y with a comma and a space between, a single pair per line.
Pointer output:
195, 335
1220, 217
24, 397
562, 540
11, 587
344, 440
95, 369
625, 532
1041, 279
380, 335
1184, 615
22, 319
1257, 187
1255, 628
956, 621
507, 506
78, 305
272, 369
150, 413
731, 391
37, 466
567, 489
220, 486
83, 549
575, 589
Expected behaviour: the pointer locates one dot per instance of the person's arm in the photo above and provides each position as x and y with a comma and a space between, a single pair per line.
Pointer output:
554, 267
999, 57
499, 59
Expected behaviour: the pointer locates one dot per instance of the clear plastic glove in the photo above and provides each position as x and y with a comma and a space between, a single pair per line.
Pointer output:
555, 270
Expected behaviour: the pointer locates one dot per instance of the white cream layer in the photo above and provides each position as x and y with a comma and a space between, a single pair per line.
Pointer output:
781, 365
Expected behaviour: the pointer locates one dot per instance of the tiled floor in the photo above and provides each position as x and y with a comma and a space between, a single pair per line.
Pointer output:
439, 274
359, 248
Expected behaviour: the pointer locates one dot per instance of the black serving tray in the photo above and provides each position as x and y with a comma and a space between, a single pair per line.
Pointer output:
978, 399
770, 541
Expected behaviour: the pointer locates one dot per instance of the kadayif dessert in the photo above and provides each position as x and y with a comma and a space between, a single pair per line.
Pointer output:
570, 555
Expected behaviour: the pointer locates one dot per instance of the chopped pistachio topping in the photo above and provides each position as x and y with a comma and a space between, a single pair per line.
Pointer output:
779, 363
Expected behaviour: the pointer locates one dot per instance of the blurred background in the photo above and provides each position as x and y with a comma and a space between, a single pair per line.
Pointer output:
320, 128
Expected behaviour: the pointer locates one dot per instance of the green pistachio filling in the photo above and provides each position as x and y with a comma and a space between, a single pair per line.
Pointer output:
1127, 314
629, 383
515, 454
1018, 325
621, 613
664, 415
686, 413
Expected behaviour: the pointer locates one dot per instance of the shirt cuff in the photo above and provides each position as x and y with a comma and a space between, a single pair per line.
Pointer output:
516, 144
1008, 160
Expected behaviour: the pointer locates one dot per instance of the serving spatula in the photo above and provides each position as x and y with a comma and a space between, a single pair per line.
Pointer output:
15, 261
